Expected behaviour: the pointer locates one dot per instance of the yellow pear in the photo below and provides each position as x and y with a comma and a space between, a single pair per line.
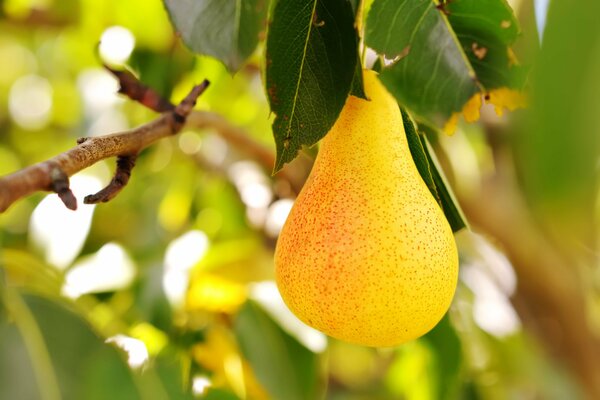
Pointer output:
366, 254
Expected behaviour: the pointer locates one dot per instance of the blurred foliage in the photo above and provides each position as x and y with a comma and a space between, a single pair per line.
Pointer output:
180, 263
563, 168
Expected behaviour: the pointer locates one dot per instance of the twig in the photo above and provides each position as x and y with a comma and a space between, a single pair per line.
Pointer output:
60, 185
124, 166
131, 87
92, 150
52, 175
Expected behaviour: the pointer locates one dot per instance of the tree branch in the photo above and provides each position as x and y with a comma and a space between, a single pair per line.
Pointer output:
131, 87
52, 174
38, 177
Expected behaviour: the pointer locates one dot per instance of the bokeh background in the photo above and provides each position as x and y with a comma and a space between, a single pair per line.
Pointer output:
167, 291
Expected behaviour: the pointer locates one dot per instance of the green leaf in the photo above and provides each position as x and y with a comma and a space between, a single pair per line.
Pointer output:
418, 154
355, 4
492, 17
310, 64
286, 368
225, 29
431, 76
377, 65
443, 54
450, 205
64, 358
486, 29
358, 88
431, 173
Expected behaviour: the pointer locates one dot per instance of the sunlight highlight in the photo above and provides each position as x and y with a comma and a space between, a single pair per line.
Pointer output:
278, 213
256, 195
107, 270
59, 232
214, 149
137, 354
116, 44
254, 188
541, 12
199, 384
98, 89
190, 142
30, 102
181, 255
491, 278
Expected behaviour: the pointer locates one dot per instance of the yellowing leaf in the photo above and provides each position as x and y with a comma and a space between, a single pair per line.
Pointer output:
450, 126
502, 98
471, 108
470, 113
215, 294
507, 98
220, 355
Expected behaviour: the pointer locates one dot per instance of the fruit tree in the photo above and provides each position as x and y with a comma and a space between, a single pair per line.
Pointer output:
299, 199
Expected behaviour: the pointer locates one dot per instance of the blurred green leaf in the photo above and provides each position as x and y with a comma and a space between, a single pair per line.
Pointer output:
558, 149
48, 352
17, 372
411, 375
225, 29
431, 173
79, 355
219, 394
448, 351
107, 377
286, 368
25, 270
431, 76
167, 370
310, 64
521, 361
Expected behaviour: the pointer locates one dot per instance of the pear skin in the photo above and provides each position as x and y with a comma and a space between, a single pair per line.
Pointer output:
366, 254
